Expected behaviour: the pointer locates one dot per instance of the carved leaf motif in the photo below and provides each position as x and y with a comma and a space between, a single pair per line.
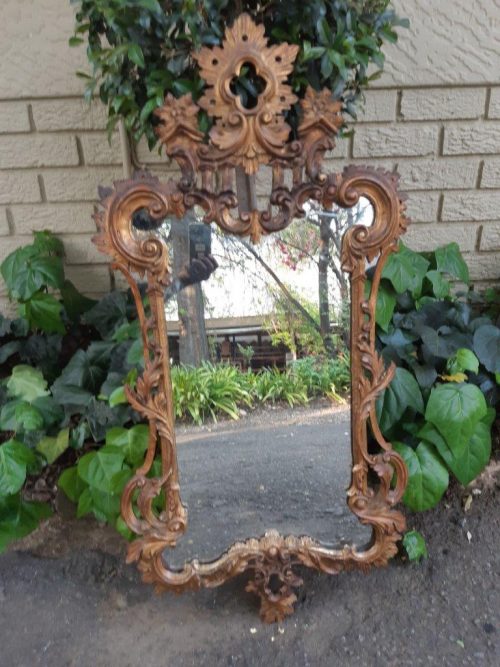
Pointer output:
249, 136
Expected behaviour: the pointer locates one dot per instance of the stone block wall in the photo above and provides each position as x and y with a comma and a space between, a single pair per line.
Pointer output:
434, 117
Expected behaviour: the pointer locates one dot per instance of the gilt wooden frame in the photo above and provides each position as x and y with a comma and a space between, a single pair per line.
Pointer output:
246, 139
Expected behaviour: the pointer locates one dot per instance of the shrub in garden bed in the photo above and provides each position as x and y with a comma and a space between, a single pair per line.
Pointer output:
439, 409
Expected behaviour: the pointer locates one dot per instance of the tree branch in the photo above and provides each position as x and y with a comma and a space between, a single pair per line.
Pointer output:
297, 305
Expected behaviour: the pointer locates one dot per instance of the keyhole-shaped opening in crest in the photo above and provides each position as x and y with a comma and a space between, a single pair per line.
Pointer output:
248, 86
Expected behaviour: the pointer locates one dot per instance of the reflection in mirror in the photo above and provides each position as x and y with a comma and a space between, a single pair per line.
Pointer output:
259, 340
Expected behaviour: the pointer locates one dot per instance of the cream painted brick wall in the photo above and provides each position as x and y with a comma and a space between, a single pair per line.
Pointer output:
58, 218
423, 207
379, 106
395, 140
90, 279
4, 222
32, 150
79, 249
428, 237
471, 205
491, 173
443, 104
97, 150
472, 139
494, 110
484, 266
76, 114
439, 173
14, 117
65, 185
19, 187
490, 237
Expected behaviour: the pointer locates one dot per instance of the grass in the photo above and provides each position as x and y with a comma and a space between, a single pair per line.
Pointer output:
213, 390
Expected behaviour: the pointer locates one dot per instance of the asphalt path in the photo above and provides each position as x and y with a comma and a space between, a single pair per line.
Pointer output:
252, 477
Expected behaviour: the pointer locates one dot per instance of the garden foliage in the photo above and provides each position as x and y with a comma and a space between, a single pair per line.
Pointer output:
140, 50
439, 409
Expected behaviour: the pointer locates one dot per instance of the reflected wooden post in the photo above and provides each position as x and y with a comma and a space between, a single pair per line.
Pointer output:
243, 138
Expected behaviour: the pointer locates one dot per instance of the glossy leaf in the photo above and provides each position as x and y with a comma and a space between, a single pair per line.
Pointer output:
406, 271
53, 447
469, 463
14, 459
455, 409
98, 468
43, 311
133, 442
18, 518
386, 303
449, 260
402, 393
27, 383
428, 478
414, 545
71, 483
487, 347
28, 418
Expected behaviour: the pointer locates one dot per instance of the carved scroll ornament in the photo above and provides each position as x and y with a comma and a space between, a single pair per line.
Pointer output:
248, 138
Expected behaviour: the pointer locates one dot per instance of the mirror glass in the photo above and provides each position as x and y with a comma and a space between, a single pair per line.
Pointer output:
269, 324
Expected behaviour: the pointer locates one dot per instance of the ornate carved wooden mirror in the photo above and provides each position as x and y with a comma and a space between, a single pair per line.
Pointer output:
240, 500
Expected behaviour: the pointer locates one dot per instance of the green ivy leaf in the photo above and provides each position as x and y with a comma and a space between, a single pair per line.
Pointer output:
401, 394
487, 347
449, 260
14, 459
74, 399
136, 55
52, 448
414, 545
440, 286
72, 485
466, 466
28, 418
386, 303
75, 303
463, 360
85, 503
117, 397
133, 442
9, 349
18, 518
105, 506
123, 529
51, 411
406, 271
82, 371
43, 311
455, 409
8, 420
46, 242
27, 383
98, 468
428, 478
108, 314
25, 271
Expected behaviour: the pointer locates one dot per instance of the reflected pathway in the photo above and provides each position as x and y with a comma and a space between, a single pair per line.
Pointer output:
291, 476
